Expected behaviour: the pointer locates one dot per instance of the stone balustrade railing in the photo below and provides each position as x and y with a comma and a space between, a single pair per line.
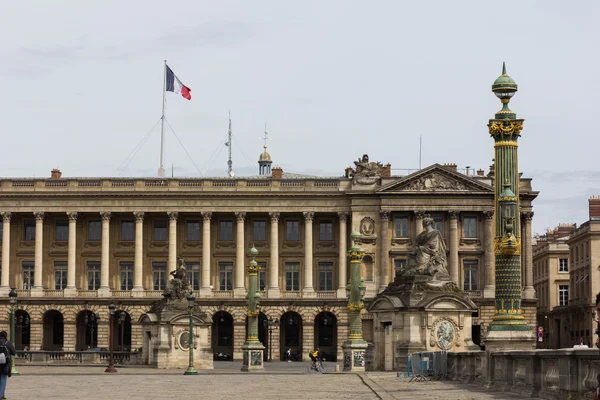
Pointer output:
548, 374
76, 357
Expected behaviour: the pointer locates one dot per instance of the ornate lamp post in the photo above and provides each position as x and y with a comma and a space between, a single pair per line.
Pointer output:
270, 324
111, 338
12, 297
253, 348
92, 322
191, 304
354, 348
508, 329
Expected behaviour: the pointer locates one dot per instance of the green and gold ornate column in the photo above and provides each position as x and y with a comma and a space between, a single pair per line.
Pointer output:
505, 129
354, 348
253, 349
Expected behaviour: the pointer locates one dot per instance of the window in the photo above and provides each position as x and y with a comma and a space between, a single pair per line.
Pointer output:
401, 227
326, 230
292, 231
28, 274
325, 276
160, 230
62, 231
60, 275
126, 275
563, 295
127, 231
29, 230
93, 275
292, 276
95, 231
563, 265
262, 276
438, 223
193, 273
399, 266
192, 231
225, 275
226, 230
470, 227
470, 272
260, 230
159, 275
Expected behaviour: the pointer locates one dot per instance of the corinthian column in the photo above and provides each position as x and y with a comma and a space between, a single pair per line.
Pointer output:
239, 289
5, 253
104, 286
71, 290
343, 257
38, 288
453, 256
205, 289
384, 246
273, 271
138, 264
172, 263
489, 291
308, 289
526, 251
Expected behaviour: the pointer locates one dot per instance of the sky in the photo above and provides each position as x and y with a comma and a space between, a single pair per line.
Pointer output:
81, 86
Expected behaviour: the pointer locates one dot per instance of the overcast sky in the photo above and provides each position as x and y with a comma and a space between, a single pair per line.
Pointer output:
81, 86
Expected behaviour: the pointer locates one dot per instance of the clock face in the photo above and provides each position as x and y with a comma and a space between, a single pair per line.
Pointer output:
184, 340
445, 335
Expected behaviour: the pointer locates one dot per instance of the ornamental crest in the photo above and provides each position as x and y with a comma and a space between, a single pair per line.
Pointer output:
367, 226
366, 172
444, 334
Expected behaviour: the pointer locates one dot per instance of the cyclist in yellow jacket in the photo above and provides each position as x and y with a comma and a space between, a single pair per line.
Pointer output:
314, 356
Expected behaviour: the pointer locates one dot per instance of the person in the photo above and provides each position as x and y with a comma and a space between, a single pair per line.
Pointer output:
315, 356
289, 355
8, 349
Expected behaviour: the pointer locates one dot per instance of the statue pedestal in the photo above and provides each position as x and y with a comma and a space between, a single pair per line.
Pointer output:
504, 340
253, 357
354, 356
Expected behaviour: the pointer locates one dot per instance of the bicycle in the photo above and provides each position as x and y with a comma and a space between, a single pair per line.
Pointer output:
319, 366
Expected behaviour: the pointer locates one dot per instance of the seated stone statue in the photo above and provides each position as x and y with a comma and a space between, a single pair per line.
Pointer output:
179, 287
429, 256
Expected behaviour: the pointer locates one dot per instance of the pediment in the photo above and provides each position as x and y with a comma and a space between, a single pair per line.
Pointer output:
385, 303
436, 179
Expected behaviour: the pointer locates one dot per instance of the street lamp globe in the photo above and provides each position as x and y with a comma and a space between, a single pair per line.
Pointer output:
12, 295
191, 300
111, 309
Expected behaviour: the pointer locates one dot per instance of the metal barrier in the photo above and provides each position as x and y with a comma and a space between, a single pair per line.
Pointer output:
427, 366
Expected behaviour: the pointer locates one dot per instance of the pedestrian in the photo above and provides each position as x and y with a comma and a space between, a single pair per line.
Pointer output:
289, 355
7, 350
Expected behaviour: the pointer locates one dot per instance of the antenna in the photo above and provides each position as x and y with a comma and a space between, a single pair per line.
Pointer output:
230, 172
265, 138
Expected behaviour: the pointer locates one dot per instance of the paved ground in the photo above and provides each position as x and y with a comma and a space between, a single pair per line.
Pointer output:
281, 381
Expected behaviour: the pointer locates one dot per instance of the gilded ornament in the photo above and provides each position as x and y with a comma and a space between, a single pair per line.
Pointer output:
355, 306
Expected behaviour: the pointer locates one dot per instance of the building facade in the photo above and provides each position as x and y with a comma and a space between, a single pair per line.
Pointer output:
71, 246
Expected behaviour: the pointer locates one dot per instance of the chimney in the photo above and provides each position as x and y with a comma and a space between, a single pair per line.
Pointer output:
451, 167
276, 173
386, 171
480, 172
55, 173
594, 208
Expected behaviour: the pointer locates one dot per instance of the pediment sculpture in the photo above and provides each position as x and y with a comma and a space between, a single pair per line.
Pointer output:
366, 172
435, 182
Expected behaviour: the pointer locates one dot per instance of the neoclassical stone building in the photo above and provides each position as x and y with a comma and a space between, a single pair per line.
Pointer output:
71, 246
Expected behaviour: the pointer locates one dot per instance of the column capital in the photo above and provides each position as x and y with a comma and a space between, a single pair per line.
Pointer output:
384, 214
172, 215
139, 216
240, 216
72, 215
453, 214
6, 216
527, 216
206, 215
419, 214
343, 215
274, 216
105, 216
39, 215
308, 216
488, 214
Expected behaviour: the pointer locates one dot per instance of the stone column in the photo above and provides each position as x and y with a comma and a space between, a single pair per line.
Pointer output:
71, 289
38, 287
138, 265
273, 271
4, 280
172, 263
526, 251
343, 256
239, 289
205, 289
453, 249
104, 263
418, 222
489, 289
384, 246
308, 289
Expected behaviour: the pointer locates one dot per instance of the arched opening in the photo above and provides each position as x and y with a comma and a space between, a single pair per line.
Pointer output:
367, 268
122, 331
326, 335
87, 330
263, 330
291, 336
222, 336
22, 330
53, 330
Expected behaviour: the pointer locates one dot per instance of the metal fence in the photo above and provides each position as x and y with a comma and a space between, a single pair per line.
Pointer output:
429, 365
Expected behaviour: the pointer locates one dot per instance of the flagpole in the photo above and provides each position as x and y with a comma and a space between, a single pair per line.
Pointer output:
161, 170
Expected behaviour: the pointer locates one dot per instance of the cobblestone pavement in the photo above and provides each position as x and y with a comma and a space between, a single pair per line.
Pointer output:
226, 382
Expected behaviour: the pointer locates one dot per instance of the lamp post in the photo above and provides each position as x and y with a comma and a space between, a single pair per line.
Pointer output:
253, 348
354, 348
111, 315
12, 298
91, 321
270, 324
191, 304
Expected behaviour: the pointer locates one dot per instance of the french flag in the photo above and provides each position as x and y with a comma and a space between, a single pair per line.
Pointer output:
174, 85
